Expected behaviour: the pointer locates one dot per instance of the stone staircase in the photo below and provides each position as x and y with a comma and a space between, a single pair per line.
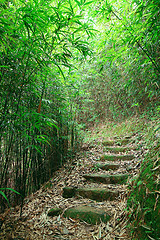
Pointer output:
116, 151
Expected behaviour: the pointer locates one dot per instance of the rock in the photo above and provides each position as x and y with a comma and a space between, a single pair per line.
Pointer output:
108, 179
128, 137
118, 149
122, 137
108, 143
116, 142
88, 214
123, 141
69, 192
117, 157
108, 166
97, 194
55, 212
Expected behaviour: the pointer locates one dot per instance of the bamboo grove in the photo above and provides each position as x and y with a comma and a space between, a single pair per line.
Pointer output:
64, 66
37, 130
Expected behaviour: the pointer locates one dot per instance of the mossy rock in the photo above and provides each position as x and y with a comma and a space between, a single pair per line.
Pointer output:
116, 157
69, 192
116, 142
108, 166
97, 194
128, 137
123, 141
88, 214
108, 142
108, 179
55, 212
118, 149
122, 137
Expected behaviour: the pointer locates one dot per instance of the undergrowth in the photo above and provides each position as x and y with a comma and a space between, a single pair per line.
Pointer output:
143, 206
139, 126
144, 191
143, 198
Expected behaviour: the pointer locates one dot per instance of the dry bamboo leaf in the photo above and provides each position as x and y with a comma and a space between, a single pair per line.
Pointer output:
100, 232
151, 237
94, 237
157, 192
156, 202
44, 199
154, 169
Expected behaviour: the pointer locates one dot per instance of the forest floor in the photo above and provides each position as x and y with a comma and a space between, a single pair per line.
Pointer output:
35, 222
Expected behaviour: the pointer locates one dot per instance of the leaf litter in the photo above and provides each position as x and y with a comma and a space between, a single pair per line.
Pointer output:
36, 224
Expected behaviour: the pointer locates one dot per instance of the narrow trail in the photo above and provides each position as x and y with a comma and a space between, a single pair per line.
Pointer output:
84, 200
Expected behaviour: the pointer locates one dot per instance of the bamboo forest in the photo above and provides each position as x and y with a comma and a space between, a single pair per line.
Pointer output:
79, 119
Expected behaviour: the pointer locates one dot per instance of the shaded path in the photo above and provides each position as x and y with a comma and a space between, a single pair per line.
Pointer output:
84, 176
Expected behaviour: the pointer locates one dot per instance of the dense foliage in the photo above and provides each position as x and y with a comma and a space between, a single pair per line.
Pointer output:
39, 39
143, 202
123, 74
66, 65
143, 197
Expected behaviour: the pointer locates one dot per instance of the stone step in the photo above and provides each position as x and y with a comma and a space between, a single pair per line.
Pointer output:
116, 142
122, 137
105, 178
118, 149
116, 157
54, 212
98, 194
88, 214
107, 166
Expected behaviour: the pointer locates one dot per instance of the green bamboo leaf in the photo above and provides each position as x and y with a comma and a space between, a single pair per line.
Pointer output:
43, 139
11, 189
87, 3
4, 66
38, 149
78, 3
3, 194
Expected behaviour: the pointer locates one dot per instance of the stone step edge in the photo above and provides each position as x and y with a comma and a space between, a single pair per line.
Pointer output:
107, 166
98, 194
117, 157
91, 215
119, 149
107, 179
87, 214
118, 142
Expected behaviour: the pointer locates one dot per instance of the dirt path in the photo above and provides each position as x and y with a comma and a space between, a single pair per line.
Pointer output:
35, 222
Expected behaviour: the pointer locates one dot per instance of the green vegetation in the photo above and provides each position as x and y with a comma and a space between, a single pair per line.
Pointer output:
2, 190
143, 202
54, 212
38, 127
123, 73
71, 66
143, 191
